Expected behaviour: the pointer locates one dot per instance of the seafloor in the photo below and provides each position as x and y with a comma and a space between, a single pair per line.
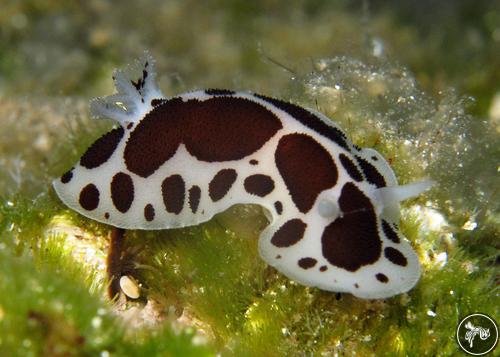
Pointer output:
416, 80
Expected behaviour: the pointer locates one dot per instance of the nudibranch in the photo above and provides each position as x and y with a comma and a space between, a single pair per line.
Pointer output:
173, 162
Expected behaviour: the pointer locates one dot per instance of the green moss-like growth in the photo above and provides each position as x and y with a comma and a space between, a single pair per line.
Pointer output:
206, 284
46, 309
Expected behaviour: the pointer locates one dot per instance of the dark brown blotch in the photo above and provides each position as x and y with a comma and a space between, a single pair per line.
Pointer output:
323, 268
194, 198
389, 232
67, 176
89, 197
351, 168
278, 206
102, 149
216, 91
382, 278
233, 128
307, 263
157, 101
221, 183
122, 191
352, 200
306, 167
371, 172
352, 241
395, 256
173, 191
254, 162
149, 212
310, 120
289, 233
259, 185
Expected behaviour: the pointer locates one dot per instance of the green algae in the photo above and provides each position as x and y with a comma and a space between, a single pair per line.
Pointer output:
207, 283
50, 306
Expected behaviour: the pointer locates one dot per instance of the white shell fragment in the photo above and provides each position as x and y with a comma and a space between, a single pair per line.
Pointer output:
173, 162
129, 287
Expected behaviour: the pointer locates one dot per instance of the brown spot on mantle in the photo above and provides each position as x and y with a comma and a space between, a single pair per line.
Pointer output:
389, 232
371, 172
395, 256
289, 233
231, 129
310, 120
351, 168
259, 185
352, 241
278, 206
67, 176
173, 191
102, 149
122, 191
149, 212
89, 197
382, 278
194, 198
307, 263
306, 167
221, 183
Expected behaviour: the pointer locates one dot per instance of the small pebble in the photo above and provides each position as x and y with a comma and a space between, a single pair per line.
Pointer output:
129, 287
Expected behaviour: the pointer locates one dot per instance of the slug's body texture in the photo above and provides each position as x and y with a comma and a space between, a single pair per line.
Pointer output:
175, 162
